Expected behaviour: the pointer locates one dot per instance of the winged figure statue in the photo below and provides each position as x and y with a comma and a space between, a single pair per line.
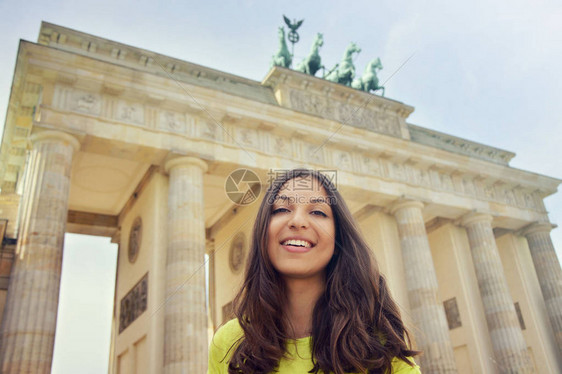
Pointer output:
293, 26
293, 35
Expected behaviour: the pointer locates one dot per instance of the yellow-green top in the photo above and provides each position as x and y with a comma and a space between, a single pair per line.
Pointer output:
297, 360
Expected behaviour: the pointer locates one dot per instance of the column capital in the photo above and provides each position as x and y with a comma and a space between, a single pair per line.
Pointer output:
474, 217
404, 203
185, 161
56, 135
537, 227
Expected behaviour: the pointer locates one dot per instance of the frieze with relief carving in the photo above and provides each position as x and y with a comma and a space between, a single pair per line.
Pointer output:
439, 179
451, 182
348, 114
468, 186
87, 103
313, 153
172, 122
342, 160
371, 165
424, 177
130, 112
208, 129
280, 146
509, 197
413, 173
84, 102
457, 182
396, 171
105, 106
446, 182
246, 137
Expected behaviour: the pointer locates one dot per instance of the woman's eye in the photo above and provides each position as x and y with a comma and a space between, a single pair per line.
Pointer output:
319, 213
280, 210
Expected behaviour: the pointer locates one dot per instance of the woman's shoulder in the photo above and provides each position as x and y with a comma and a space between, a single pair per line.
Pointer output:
401, 367
227, 334
221, 346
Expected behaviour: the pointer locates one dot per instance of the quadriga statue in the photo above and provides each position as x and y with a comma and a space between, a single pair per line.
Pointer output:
369, 81
282, 57
344, 72
312, 63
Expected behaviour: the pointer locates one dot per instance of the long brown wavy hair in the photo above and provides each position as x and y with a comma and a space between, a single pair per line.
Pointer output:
356, 324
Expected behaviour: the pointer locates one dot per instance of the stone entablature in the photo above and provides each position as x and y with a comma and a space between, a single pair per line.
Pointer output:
332, 101
459, 145
122, 110
348, 150
357, 158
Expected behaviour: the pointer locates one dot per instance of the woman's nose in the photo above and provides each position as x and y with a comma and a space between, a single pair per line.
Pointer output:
298, 219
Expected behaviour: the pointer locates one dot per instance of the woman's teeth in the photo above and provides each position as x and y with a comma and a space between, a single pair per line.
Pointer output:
297, 243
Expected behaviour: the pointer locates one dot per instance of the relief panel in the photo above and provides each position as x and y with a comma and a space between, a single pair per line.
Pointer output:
208, 129
85, 102
172, 122
246, 137
130, 112
371, 165
342, 160
281, 146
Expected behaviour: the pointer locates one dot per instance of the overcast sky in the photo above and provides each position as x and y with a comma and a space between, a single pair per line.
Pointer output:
487, 71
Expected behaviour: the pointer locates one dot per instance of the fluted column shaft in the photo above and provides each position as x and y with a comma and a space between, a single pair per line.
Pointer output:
185, 319
549, 274
509, 346
28, 327
421, 282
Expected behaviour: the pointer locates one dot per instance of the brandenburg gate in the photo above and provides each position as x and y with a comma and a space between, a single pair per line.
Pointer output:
106, 139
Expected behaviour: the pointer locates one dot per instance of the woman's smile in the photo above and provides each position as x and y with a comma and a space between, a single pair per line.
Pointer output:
297, 245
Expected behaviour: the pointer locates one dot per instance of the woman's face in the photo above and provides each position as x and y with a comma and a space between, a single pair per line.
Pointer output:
301, 232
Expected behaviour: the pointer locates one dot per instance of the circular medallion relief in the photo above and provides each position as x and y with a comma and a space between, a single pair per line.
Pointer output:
237, 252
135, 239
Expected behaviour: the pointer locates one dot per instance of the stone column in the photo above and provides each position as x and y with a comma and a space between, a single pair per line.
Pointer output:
509, 346
433, 333
185, 318
549, 274
28, 327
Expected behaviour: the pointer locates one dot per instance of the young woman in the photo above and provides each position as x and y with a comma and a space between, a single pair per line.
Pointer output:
312, 299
